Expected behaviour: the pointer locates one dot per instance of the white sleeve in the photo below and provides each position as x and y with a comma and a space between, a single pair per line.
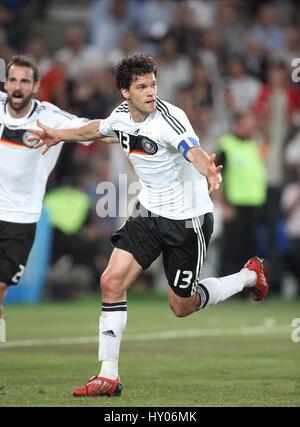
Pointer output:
181, 134
106, 127
60, 119
65, 120
68, 121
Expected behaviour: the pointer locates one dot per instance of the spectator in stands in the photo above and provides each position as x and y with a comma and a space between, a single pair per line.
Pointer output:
6, 52
53, 84
208, 127
130, 43
37, 49
266, 29
243, 192
174, 68
202, 90
292, 46
230, 25
244, 88
108, 23
153, 19
204, 12
255, 57
76, 57
208, 52
95, 95
184, 27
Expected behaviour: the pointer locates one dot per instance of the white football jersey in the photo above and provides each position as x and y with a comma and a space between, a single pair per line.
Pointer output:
156, 147
23, 170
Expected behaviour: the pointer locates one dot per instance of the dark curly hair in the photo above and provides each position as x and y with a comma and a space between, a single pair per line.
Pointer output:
131, 67
24, 61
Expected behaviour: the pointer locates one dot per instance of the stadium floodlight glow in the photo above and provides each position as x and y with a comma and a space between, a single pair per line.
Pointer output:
2, 70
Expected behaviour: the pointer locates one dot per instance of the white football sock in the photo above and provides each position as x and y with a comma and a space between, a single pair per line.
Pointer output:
250, 277
109, 369
2, 330
111, 327
214, 290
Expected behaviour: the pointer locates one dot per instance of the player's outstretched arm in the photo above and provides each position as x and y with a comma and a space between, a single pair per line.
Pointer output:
49, 136
205, 164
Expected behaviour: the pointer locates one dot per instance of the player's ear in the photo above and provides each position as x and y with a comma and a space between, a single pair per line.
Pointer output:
125, 93
36, 87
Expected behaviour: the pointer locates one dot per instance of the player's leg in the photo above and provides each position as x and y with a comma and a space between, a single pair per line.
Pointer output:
183, 265
121, 272
183, 258
251, 278
130, 256
212, 290
181, 306
3, 292
16, 241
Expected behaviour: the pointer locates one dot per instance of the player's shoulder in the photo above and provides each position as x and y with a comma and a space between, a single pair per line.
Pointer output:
121, 109
120, 113
172, 115
48, 106
165, 107
51, 109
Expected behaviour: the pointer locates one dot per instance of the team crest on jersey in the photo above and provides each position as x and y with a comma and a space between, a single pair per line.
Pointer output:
26, 135
149, 146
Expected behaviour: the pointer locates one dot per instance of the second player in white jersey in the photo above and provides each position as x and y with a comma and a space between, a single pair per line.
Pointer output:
24, 172
157, 148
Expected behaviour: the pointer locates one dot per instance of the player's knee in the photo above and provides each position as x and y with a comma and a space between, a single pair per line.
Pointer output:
3, 291
178, 310
3, 287
107, 282
110, 284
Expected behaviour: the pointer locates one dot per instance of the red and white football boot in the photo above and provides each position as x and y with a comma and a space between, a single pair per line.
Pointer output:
260, 290
99, 386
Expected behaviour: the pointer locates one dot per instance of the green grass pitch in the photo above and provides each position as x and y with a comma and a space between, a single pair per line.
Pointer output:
238, 353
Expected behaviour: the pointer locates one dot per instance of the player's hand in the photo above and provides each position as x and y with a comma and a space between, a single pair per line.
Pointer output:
214, 176
47, 137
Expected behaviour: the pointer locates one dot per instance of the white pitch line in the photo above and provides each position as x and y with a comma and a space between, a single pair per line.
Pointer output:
151, 336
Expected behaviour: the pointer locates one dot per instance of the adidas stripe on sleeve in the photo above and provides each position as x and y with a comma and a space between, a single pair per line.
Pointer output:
181, 134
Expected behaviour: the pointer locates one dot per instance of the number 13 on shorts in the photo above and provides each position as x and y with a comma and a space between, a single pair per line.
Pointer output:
184, 276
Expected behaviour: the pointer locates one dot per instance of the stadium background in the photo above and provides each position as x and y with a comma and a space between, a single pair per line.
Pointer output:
213, 61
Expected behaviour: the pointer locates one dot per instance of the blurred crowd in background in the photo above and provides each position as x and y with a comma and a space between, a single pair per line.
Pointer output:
228, 64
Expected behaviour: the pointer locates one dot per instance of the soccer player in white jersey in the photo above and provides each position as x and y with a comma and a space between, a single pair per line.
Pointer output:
23, 171
173, 215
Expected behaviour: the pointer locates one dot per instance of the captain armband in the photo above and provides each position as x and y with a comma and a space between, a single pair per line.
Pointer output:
186, 144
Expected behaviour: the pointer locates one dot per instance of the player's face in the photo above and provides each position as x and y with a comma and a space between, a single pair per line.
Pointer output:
141, 96
21, 88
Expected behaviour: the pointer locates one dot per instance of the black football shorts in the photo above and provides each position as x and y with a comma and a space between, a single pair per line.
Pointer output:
16, 241
183, 244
